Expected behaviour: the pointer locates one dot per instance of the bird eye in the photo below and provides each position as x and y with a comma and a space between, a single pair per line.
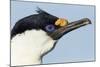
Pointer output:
50, 28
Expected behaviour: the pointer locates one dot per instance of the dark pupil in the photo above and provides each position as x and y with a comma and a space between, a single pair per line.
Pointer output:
50, 28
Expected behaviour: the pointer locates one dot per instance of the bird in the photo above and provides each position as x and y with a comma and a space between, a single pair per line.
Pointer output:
34, 36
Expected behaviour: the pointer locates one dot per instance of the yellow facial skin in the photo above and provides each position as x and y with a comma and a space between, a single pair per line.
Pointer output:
61, 22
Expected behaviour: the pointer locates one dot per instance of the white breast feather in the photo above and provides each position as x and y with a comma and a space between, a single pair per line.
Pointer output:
28, 47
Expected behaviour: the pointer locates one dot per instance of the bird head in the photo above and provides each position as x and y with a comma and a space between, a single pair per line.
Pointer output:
55, 27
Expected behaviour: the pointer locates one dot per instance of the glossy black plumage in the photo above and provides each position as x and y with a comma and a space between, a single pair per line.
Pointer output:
46, 22
35, 21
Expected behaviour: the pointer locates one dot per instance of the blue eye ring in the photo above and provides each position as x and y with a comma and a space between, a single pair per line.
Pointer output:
50, 28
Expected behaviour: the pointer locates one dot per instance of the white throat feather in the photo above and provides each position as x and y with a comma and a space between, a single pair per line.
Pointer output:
28, 47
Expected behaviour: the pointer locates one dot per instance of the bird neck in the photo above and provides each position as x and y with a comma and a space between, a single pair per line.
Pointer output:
28, 47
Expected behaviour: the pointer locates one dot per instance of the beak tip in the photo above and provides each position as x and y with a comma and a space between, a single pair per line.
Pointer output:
88, 21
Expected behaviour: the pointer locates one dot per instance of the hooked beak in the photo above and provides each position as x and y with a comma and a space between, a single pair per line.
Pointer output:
71, 26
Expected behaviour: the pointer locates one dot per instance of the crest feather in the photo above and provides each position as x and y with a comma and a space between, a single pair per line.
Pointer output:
40, 11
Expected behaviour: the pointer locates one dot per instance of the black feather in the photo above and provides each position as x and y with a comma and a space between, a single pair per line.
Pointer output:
35, 21
41, 11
